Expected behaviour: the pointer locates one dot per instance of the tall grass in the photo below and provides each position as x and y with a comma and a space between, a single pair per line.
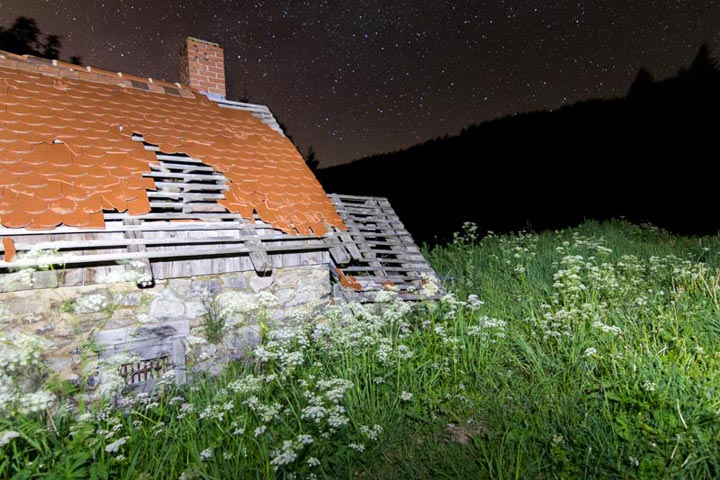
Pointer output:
585, 353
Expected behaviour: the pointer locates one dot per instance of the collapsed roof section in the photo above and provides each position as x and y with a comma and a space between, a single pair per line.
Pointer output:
67, 153
100, 168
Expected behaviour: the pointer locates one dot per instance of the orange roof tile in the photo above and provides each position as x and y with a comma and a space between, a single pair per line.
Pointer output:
67, 154
9, 247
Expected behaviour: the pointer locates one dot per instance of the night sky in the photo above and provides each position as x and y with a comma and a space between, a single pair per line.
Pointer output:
358, 77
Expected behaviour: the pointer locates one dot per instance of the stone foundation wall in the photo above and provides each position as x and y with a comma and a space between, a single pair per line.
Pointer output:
116, 316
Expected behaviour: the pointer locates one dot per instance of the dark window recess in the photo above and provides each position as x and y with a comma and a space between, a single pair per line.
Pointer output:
171, 91
145, 370
140, 85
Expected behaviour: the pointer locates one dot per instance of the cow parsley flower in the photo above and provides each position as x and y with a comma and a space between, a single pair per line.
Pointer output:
115, 446
7, 436
357, 446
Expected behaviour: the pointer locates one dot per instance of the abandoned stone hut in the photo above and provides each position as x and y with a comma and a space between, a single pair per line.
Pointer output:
127, 202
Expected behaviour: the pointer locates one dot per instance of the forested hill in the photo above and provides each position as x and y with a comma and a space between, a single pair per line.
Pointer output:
650, 156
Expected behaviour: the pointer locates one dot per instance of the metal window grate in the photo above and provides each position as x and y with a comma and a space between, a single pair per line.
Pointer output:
145, 370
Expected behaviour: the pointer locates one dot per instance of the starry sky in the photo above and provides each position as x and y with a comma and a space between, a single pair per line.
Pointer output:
358, 77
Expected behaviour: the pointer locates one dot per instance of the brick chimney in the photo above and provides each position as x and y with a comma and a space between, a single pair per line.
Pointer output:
202, 66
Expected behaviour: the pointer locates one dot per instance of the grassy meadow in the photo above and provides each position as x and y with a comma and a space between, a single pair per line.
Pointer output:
587, 353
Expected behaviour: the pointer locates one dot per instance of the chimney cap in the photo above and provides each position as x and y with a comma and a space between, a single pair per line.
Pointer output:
203, 41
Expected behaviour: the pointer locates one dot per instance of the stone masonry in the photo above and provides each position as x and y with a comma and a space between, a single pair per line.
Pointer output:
113, 315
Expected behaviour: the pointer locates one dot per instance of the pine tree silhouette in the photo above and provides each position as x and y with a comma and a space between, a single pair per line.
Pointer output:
24, 37
704, 65
311, 159
642, 83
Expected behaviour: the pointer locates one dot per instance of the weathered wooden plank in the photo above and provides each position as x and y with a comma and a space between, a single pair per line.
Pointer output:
399, 261
174, 158
383, 269
139, 246
191, 186
347, 242
187, 253
259, 257
146, 226
203, 207
177, 164
185, 195
183, 176
352, 198
156, 205
340, 255
179, 216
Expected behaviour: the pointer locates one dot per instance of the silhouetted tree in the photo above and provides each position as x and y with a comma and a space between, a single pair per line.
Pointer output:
642, 83
51, 47
24, 37
311, 159
703, 66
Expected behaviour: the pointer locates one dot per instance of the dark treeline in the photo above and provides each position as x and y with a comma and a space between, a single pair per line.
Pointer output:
24, 37
649, 157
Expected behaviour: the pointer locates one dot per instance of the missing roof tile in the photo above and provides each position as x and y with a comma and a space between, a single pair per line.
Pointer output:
171, 90
140, 85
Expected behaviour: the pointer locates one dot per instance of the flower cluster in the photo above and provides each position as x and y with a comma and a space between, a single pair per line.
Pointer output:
92, 303
21, 374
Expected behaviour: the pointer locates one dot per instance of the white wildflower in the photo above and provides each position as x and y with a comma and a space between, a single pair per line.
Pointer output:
430, 286
357, 446
91, 303
607, 328
206, 454
649, 386
371, 433
406, 396
7, 436
474, 302
115, 446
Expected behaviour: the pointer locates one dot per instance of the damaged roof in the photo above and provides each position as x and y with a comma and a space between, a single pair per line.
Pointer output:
67, 153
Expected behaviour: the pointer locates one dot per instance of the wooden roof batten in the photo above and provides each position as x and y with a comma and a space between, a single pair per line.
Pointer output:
185, 222
375, 253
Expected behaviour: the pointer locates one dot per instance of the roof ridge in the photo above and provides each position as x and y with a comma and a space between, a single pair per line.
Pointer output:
63, 69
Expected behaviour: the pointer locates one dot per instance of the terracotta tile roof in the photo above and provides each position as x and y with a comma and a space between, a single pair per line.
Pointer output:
67, 154
9, 249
